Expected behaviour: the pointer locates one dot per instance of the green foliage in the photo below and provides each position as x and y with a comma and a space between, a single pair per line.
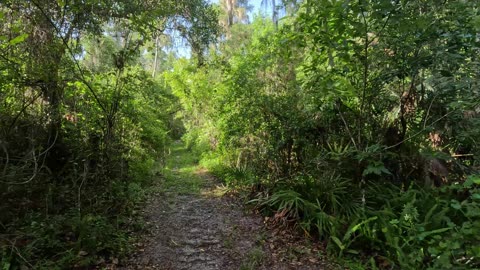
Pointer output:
322, 206
413, 229
186, 180
83, 127
69, 239
335, 120
349, 236
420, 229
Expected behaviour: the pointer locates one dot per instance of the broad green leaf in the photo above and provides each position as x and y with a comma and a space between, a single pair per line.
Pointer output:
376, 168
455, 205
356, 227
433, 250
471, 180
6, 266
476, 251
428, 233
18, 39
476, 22
475, 179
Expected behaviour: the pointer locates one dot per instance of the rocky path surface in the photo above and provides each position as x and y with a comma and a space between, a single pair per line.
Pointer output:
201, 228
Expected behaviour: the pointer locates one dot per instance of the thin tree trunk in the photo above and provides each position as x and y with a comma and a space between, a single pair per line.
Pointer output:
274, 14
155, 61
230, 6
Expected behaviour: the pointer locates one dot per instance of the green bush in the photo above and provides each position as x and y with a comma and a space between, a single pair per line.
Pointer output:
423, 229
408, 229
62, 241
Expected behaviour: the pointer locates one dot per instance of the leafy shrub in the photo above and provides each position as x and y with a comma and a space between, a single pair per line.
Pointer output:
410, 229
321, 205
62, 241
420, 229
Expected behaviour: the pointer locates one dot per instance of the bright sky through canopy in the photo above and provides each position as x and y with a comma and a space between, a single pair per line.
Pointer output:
257, 5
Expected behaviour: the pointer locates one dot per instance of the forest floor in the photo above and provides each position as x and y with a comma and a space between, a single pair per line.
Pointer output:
195, 224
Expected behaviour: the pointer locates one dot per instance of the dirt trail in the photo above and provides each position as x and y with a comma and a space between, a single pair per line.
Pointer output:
205, 230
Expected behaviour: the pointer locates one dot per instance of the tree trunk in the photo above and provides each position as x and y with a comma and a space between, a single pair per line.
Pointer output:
155, 61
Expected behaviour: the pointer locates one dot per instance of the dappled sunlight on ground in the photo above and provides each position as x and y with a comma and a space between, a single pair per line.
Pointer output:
212, 187
218, 191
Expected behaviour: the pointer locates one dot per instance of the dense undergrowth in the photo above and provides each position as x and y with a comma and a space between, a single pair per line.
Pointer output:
85, 123
79, 210
404, 227
355, 122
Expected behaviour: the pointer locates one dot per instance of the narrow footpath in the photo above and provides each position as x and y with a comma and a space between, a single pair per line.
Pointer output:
195, 225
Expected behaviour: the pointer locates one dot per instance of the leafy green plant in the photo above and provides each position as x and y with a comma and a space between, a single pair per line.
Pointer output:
350, 236
320, 206
288, 202
423, 229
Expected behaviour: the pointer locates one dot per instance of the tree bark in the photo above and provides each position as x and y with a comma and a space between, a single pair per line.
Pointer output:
155, 61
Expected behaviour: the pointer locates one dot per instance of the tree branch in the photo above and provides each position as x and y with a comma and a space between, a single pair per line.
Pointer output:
72, 55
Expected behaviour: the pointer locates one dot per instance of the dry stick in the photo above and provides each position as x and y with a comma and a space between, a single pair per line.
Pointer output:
48, 149
35, 169
419, 132
84, 179
21, 111
348, 130
51, 145
428, 111
462, 155
35, 172
34, 158
155, 62
19, 254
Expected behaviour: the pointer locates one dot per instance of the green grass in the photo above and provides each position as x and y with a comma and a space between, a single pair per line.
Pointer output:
254, 259
181, 172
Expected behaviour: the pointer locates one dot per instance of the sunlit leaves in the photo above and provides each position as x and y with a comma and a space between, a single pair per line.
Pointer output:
18, 39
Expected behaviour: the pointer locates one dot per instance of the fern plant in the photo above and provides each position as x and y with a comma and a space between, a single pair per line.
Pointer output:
288, 202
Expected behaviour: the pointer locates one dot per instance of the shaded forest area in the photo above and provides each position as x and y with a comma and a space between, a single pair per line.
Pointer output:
353, 122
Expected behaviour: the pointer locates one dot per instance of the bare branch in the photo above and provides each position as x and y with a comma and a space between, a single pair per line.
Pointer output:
419, 132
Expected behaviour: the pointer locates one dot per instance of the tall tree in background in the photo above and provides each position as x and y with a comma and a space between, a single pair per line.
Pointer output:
274, 10
289, 6
160, 42
198, 24
232, 12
